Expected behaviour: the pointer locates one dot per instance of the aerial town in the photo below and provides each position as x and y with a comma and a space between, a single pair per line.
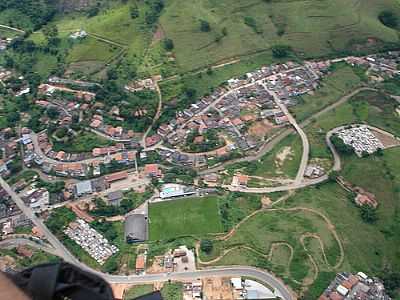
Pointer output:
172, 170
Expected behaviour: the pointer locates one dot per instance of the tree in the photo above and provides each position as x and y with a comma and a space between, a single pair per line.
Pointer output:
13, 117
368, 214
205, 26
281, 51
206, 246
134, 12
340, 145
52, 112
50, 31
388, 19
333, 176
168, 44
93, 11
379, 152
391, 280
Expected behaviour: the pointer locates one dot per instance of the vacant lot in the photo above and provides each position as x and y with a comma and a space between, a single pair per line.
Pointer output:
282, 162
194, 216
84, 142
284, 233
91, 49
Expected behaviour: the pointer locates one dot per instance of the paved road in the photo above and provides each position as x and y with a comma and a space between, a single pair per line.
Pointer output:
15, 242
303, 136
58, 246
12, 28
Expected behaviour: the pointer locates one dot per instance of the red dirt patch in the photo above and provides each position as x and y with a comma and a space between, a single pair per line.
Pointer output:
158, 35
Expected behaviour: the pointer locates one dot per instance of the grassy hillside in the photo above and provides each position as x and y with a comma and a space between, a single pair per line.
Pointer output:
312, 28
235, 29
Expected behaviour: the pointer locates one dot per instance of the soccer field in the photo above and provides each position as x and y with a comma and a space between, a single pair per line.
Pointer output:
194, 216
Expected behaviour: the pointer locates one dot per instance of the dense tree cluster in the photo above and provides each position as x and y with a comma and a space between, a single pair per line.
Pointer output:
388, 19
154, 12
341, 146
39, 12
281, 51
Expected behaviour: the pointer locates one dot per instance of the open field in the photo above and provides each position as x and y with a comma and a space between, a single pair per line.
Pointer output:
366, 247
340, 82
237, 30
91, 49
313, 28
110, 32
373, 108
84, 142
193, 216
282, 162
278, 240
137, 291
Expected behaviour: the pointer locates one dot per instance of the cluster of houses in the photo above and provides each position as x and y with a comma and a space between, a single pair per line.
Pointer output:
94, 243
361, 139
15, 84
143, 84
37, 199
347, 286
232, 109
9, 149
78, 164
4, 42
250, 289
383, 64
118, 132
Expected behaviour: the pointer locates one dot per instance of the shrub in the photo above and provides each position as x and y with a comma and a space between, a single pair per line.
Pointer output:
206, 246
168, 44
368, 214
281, 51
205, 26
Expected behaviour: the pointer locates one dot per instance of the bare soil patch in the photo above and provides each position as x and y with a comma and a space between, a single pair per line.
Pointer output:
261, 128
386, 140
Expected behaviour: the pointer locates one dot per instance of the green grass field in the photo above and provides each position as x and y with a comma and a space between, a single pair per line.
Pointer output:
193, 216
339, 83
267, 228
137, 291
84, 142
271, 165
311, 28
367, 247
8, 33
90, 49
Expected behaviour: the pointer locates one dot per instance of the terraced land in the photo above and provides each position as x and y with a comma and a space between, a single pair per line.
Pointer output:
312, 28
238, 30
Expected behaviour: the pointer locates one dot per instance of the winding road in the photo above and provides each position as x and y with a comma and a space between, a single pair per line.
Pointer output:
303, 136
